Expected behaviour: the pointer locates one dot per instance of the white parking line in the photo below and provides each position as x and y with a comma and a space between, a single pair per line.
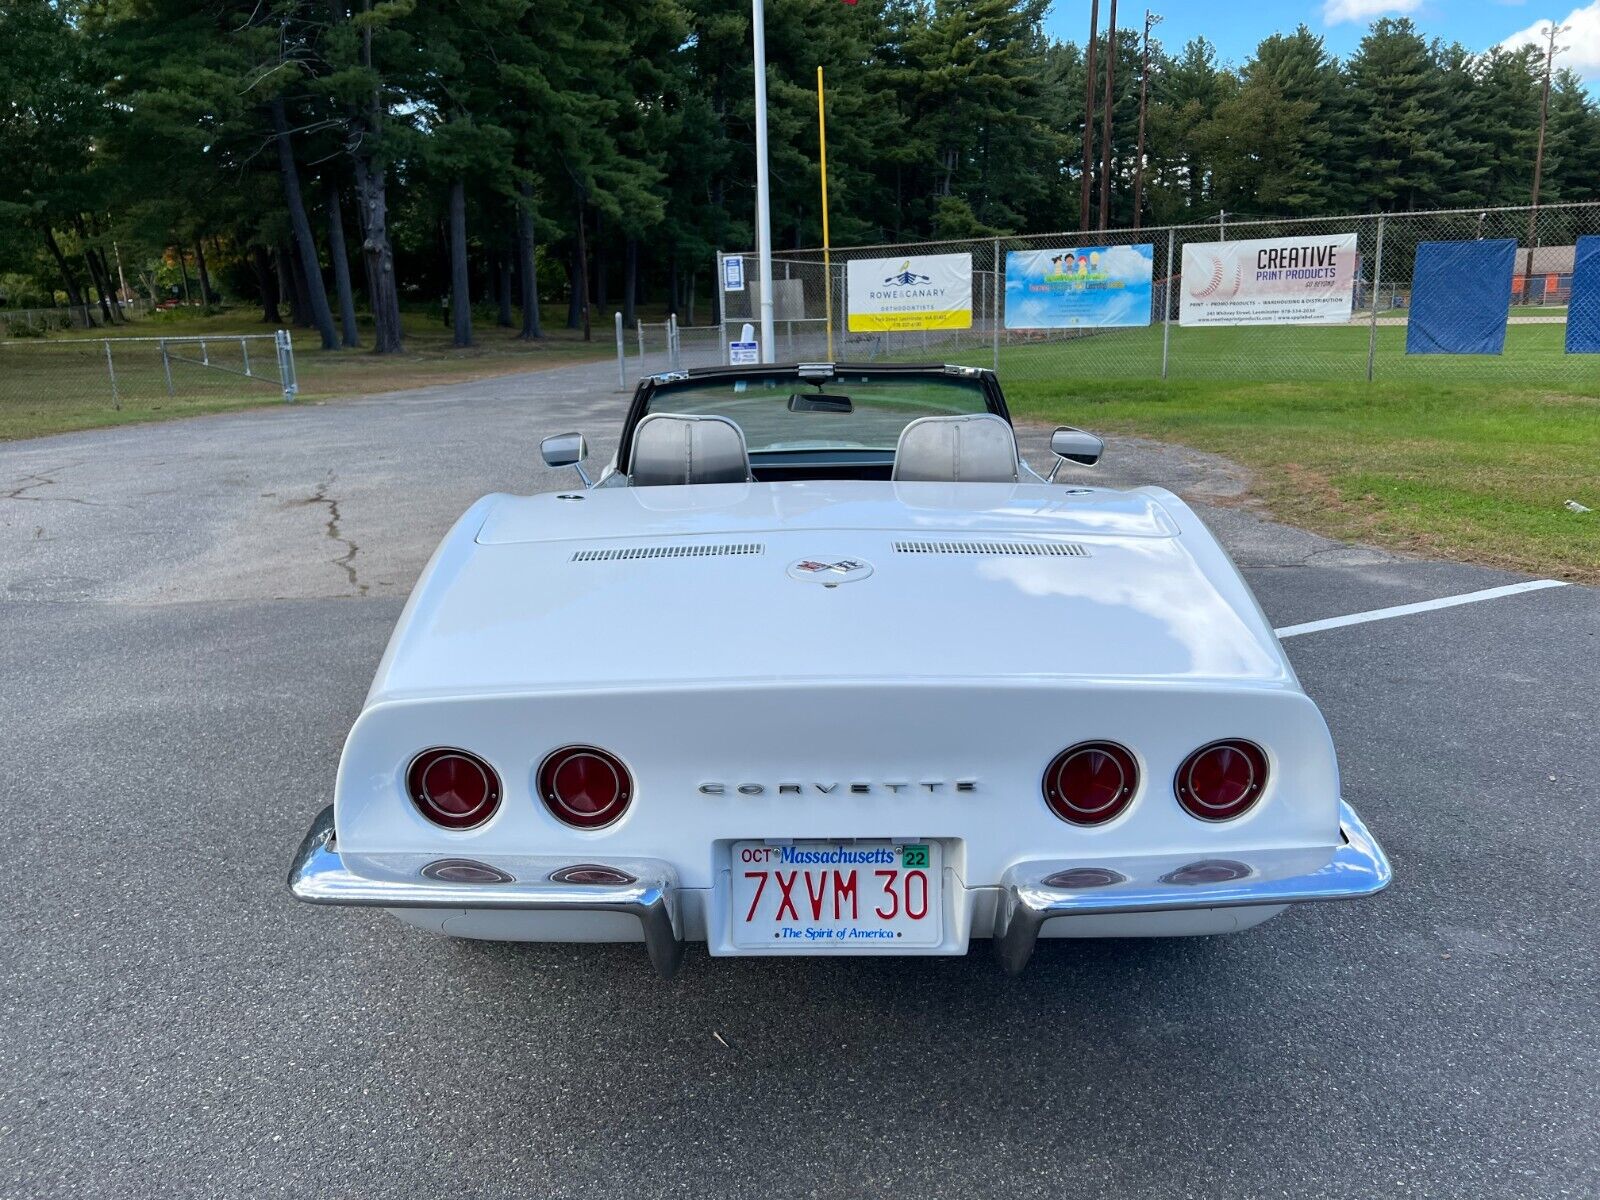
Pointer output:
1405, 610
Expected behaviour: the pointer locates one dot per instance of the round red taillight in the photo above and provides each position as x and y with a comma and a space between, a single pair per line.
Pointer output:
1221, 781
585, 787
453, 788
1090, 783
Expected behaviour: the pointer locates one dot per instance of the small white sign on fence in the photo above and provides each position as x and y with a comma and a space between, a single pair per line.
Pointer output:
744, 354
733, 274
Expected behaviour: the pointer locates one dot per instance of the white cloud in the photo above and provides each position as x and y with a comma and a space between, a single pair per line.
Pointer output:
1582, 39
1335, 12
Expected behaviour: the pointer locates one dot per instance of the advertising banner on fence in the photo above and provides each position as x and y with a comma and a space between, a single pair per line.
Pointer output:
1279, 281
925, 291
1089, 287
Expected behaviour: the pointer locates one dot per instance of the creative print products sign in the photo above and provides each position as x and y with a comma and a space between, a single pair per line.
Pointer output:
1280, 281
929, 291
1088, 287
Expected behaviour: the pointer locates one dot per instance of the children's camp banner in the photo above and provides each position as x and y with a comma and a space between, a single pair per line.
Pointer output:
926, 291
1093, 287
1279, 281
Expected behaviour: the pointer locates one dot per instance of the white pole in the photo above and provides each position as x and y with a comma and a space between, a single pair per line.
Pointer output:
758, 28
622, 358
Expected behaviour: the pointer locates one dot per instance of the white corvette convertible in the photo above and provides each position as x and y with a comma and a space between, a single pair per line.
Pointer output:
820, 666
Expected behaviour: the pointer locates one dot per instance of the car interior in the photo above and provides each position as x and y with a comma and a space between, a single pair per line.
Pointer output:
680, 448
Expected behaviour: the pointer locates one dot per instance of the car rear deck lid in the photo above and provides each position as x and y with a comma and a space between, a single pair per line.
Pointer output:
738, 513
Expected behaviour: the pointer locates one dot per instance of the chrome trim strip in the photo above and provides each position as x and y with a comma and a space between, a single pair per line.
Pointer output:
1358, 868
318, 875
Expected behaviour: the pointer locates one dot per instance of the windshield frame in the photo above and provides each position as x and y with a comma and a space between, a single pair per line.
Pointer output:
810, 374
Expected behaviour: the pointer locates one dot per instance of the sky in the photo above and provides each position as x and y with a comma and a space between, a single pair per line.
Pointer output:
1236, 28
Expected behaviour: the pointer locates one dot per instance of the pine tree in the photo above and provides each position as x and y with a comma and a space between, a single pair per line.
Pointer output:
1398, 90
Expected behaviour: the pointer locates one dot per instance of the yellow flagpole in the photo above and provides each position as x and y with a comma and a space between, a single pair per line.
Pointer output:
827, 261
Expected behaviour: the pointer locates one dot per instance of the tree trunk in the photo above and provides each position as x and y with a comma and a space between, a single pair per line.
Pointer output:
630, 283
183, 273
68, 280
582, 264
316, 295
289, 285
372, 208
267, 281
526, 268
383, 291
460, 283
502, 287
600, 262
104, 269
688, 300
207, 296
574, 312
97, 279
341, 264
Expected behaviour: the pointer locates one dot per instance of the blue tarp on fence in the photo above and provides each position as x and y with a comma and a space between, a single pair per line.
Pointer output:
1461, 297
1583, 309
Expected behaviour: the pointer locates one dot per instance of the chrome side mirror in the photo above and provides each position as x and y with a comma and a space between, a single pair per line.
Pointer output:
1075, 446
566, 450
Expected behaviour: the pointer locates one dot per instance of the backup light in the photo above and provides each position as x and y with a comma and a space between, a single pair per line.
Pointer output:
591, 873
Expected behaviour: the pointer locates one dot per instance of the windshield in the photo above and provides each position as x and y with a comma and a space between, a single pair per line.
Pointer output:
850, 411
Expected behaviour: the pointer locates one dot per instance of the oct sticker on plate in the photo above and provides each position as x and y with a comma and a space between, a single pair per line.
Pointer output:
837, 895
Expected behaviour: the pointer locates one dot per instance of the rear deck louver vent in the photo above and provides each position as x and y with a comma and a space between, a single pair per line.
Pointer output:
1031, 549
632, 552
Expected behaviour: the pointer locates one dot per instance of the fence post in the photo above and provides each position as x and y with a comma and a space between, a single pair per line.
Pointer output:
1377, 287
166, 366
622, 358
205, 355
291, 386
640, 324
1166, 303
244, 352
111, 369
996, 283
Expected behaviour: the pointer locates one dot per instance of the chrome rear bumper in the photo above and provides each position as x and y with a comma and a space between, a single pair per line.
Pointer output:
1150, 884
1029, 895
319, 875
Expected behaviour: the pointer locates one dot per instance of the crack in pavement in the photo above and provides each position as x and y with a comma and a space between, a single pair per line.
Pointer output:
345, 561
30, 482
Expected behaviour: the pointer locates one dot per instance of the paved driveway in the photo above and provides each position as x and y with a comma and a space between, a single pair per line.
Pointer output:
191, 615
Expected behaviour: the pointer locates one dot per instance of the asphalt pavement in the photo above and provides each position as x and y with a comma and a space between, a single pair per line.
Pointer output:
192, 613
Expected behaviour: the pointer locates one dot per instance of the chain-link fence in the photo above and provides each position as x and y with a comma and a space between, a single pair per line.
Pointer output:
144, 371
1370, 344
42, 322
661, 346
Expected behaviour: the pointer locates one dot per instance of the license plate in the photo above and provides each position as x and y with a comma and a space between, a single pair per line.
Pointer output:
837, 895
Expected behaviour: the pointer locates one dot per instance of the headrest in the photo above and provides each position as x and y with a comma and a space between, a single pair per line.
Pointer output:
670, 448
977, 448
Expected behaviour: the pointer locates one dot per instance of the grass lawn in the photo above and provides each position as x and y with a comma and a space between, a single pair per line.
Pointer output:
61, 383
1470, 458
1477, 474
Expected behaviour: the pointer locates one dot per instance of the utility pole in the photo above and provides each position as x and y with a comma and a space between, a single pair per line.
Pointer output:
1105, 132
1088, 118
758, 24
1551, 51
1151, 20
